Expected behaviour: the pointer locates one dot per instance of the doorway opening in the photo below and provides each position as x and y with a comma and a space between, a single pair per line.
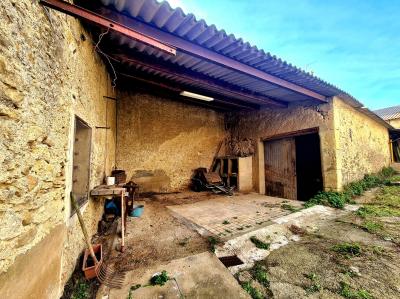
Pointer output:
293, 165
308, 166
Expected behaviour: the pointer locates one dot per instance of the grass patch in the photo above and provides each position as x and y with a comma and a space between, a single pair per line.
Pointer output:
352, 190
289, 207
347, 292
348, 249
316, 286
259, 244
372, 227
160, 279
252, 291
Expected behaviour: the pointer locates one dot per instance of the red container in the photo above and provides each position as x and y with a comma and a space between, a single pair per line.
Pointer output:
89, 267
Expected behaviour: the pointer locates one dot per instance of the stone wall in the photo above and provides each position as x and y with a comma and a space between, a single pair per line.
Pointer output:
362, 144
48, 73
266, 123
161, 141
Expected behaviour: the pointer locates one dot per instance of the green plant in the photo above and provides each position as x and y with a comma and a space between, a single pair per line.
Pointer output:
252, 291
290, 208
347, 292
81, 290
133, 288
259, 244
160, 279
372, 227
213, 241
354, 189
347, 249
316, 286
378, 250
328, 198
260, 274
225, 222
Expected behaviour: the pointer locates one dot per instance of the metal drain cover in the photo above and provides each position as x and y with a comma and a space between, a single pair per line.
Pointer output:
230, 261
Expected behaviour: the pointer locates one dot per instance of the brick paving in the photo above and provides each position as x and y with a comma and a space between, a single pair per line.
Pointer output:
225, 217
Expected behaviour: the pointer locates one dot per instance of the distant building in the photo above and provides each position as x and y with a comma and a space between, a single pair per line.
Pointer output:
391, 115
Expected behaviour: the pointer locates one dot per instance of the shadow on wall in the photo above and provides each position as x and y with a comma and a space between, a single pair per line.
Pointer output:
152, 180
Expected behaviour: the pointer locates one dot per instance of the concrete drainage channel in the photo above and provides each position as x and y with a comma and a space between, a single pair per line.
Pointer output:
240, 253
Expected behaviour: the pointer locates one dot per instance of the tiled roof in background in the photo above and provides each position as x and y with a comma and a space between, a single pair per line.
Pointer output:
389, 113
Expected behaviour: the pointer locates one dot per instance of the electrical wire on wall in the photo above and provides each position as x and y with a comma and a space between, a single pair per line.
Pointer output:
97, 48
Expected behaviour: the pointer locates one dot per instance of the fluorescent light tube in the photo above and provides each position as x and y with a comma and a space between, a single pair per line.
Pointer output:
196, 96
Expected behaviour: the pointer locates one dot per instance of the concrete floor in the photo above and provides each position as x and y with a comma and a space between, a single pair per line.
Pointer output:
196, 276
229, 216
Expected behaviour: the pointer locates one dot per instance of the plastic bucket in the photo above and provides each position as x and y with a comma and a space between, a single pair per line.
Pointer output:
137, 211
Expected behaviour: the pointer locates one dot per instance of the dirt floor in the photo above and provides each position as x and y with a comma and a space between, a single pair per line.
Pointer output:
158, 237
354, 256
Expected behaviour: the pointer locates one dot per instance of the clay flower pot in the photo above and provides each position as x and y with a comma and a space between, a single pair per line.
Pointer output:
89, 266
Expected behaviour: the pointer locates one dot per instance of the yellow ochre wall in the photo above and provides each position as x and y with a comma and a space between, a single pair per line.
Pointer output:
49, 72
362, 144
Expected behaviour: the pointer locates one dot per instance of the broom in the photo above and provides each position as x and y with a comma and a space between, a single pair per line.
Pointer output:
104, 273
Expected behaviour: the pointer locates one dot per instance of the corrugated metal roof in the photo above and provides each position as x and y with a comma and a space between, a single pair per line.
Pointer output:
389, 112
186, 26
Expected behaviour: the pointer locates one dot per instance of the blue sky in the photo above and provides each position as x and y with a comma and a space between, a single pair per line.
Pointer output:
354, 45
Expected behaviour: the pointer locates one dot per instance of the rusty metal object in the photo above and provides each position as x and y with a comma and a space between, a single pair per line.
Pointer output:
99, 20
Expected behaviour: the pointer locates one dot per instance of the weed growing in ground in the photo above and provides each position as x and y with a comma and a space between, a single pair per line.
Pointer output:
339, 199
328, 198
131, 289
260, 274
347, 292
290, 208
225, 222
252, 291
378, 250
372, 227
81, 290
348, 249
259, 244
213, 241
160, 279
315, 286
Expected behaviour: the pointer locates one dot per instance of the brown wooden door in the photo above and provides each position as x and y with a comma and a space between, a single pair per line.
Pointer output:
280, 168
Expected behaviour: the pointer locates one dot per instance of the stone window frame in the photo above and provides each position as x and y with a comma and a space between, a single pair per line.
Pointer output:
81, 203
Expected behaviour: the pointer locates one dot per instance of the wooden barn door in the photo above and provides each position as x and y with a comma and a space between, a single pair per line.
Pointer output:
280, 168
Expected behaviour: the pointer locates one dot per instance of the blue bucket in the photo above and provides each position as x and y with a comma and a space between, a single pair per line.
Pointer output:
137, 211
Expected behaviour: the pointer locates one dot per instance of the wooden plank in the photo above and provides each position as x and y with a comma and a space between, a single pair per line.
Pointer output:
280, 168
291, 134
